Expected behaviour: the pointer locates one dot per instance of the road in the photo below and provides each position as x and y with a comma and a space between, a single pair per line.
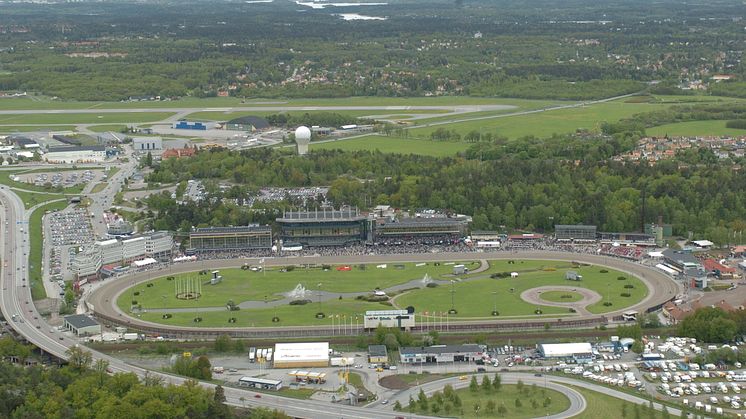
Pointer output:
18, 308
101, 300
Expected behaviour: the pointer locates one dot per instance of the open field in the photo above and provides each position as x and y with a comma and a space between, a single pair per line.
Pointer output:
694, 128
107, 127
35, 251
531, 398
561, 296
83, 118
476, 298
9, 129
599, 405
199, 103
395, 145
473, 298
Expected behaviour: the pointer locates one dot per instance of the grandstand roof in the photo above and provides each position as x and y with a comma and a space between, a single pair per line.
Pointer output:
324, 215
437, 221
575, 226
237, 229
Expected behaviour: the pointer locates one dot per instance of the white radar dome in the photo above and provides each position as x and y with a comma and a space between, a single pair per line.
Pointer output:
302, 134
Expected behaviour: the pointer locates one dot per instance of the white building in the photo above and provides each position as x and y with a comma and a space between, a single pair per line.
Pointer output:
579, 352
389, 318
133, 248
145, 144
81, 154
306, 354
159, 245
87, 262
111, 251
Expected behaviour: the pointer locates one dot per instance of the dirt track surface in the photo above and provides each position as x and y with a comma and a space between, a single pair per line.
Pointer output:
102, 300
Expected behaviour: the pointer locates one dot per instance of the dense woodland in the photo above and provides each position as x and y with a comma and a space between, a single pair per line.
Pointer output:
526, 184
541, 49
84, 389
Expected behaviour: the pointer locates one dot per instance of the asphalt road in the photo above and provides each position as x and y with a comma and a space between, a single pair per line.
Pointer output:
661, 287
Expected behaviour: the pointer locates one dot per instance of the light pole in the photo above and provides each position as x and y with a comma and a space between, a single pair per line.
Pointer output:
453, 293
494, 309
319, 294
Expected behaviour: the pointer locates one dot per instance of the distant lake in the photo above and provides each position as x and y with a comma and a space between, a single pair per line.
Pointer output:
356, 16
320, 5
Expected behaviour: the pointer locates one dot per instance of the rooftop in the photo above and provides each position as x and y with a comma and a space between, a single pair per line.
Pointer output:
80, 321
77, 148
377, 350
344, 214
441, 349
237, 229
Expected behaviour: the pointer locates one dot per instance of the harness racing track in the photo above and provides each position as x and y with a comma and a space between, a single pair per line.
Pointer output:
102, 301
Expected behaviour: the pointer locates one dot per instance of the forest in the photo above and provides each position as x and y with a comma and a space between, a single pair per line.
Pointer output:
528, 184
84, 389
506, 48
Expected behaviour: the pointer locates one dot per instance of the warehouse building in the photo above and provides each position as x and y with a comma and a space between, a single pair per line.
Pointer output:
247, 123
230, 238
146, 144
301, 355
575, 232
440, 353
82, 325
576, 352
377, 354
79, 154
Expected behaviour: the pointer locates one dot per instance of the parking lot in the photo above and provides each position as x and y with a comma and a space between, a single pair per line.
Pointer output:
64, 179
66, 231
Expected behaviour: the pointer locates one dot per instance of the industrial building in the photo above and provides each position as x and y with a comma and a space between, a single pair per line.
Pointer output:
378, 354
326, 227
576, 352
197, 126
575, 232
82, 325
145, 144
230, 238
440, 353
261, 383
80, 154
247, 123
301, 355
401, 319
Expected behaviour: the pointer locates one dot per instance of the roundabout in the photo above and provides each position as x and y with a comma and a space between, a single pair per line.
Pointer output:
338, 298
575, 298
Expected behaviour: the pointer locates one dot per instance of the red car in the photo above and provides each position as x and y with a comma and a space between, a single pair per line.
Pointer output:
257, 396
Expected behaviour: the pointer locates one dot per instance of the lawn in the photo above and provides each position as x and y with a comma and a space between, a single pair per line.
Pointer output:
35, 251
599, 405
694, 128
477, 298
99, 187
560, 296
395, 145
530, 403
84, 118
544, 124
228, 115
107, 127
9, 129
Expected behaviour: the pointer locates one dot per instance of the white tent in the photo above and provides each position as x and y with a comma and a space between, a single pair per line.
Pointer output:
145, 262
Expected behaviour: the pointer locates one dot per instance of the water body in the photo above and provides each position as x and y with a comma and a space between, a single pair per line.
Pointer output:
258, 1
356, 16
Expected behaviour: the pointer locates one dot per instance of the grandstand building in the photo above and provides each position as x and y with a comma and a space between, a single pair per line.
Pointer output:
575, 232
325, 227
640, 239
419, 229
230, 238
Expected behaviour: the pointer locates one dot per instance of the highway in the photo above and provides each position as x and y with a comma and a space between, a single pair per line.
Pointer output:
18, 308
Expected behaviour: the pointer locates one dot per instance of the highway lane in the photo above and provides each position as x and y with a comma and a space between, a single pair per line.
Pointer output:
661, 287
15, 299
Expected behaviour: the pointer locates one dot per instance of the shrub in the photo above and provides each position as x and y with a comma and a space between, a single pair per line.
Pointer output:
431, 285
604, 271
136, 293
607, 303
625, 294
299, 302
629, 286
621, 278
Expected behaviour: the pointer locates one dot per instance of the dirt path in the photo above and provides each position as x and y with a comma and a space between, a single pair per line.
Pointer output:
533, 296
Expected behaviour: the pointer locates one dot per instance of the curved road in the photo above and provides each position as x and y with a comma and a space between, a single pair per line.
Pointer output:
102, 300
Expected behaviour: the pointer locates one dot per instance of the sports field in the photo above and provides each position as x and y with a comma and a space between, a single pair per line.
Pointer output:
262, 294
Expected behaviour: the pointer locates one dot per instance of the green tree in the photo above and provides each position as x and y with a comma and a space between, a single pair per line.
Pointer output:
486, 384
497, 382
491, 406
397, 406
519, 386
78, 358
502, 410
223, 343
473, 384
518, 402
